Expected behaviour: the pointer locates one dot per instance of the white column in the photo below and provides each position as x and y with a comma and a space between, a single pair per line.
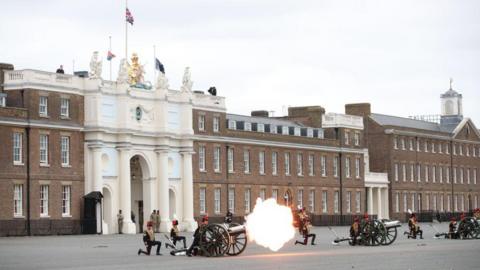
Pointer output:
125, 190
187, 180
370, 201
97, 168
379, 203
162, 189
386, 209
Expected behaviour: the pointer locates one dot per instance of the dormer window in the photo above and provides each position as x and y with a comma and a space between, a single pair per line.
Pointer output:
260, 127
296, 131
248, 126
232, 124
310, 132
3, 100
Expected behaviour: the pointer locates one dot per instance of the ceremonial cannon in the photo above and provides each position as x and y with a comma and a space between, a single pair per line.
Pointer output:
372, 233
468, 228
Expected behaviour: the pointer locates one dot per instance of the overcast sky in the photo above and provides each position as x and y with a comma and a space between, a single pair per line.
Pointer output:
268, 54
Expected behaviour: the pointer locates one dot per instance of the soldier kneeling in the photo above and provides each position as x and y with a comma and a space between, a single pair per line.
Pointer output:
414, 227
149, 240
355, 230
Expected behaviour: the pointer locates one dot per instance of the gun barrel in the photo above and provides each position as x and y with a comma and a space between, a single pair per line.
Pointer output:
237, 229
392, 224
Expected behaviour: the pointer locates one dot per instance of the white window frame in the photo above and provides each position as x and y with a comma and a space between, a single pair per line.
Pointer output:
287, 163
201, 158
311, 200
44, 200
412, 172
261, 162
336, 202
356, 138
65, 107
447, 174
454, 175
65, 151
410, 144
426, 173
18, 200
216, 159
412, 197
404, 172
66, 200
231, 200
347, 167
284, 130
395, 142
349, 201
274, 163
434, 174
43, 106
419, 172
202, 197
405, 202
433, 147
310, 132
246, 161
358, 200
260, 127
201, 122
230, 160
232, 124
402, 143
216, 124
346, 138
311, 165
323, 166
18, 148
442, 207
397, 202
395, 172
247, 200
468, 176
461, 175
247, 126
217, 200
275, 194
43, 149
299, 164
300, 198
262, 194
324, 201
357, 167
335, 166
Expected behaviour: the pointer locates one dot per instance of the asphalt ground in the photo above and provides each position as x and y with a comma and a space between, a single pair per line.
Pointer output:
120, 252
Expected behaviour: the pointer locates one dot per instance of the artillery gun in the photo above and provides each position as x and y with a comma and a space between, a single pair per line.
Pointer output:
219, 239
373, 233
468, 228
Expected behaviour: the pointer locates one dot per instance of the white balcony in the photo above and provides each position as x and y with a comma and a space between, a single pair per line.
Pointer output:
334, 120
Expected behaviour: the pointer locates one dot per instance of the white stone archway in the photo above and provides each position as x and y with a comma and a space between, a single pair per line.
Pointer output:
109, 221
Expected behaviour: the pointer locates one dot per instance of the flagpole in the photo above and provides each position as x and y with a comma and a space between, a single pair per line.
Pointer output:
126, 32
154, 64
110, 50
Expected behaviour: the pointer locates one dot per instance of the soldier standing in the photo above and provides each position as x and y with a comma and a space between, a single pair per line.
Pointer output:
149, 240
153, 219
120, 221
157, 221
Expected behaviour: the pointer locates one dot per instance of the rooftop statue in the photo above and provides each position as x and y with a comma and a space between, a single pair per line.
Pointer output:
162, 81
123, 72
135, 71
95, 67
187, 82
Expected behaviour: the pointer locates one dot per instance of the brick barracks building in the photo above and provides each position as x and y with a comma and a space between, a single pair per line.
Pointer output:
292, 159
433, 166
41, 161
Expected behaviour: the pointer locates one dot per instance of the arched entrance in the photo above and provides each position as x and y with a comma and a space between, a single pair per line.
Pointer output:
139, 173
172, 205
109, 225
288, 198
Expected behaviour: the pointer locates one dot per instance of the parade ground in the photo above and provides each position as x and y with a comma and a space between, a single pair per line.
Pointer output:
120, 252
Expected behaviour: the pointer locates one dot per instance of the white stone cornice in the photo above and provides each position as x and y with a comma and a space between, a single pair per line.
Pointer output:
39, 125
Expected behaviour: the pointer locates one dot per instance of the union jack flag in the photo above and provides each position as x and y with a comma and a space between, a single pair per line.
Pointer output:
129, 16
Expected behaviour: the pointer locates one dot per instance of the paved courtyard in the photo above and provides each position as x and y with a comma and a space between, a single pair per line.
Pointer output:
119, 252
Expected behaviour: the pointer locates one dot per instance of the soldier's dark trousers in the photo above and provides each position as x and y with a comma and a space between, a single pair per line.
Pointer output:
179, 238
305, 239
150, 244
